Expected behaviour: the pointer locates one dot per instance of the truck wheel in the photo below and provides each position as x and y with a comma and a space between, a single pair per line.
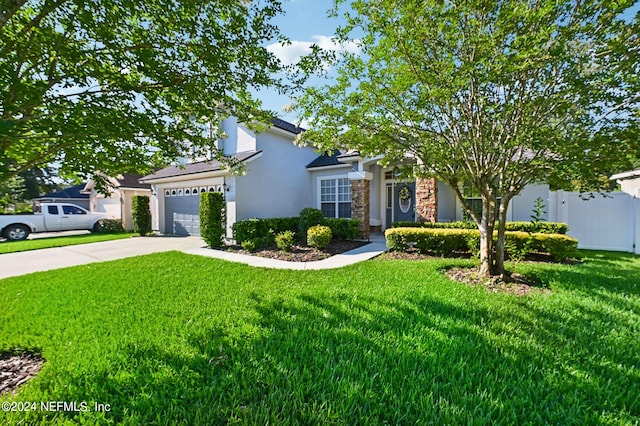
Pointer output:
16, 232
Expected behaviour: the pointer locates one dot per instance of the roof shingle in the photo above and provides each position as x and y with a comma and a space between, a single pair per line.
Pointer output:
194, 168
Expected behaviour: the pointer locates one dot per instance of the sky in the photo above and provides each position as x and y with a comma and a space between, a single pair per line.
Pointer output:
304, 22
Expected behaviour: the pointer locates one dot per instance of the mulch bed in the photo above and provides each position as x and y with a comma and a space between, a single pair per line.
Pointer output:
518, 285
17, 369
302, 253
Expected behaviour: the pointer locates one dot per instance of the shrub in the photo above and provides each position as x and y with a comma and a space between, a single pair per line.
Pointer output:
212, 218
309, 217
263, 231
141, 214
540, 227
450, 241
319, 236
248, 245
108, 226
343, 229
284, 240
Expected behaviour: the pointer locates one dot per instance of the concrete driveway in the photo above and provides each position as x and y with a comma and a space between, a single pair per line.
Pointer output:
26, 262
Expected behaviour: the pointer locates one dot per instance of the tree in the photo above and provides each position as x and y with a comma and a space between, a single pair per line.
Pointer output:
119, 86
494, 94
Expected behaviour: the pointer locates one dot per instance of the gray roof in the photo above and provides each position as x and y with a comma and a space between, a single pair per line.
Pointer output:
132, 181
285, 125
332, 159
195, 168
73, 192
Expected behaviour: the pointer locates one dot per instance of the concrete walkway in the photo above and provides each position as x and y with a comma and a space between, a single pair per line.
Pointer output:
14, 264
26, 262
360, 254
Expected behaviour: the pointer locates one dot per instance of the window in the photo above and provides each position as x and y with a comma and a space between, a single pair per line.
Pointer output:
474, 201
52, 209
335, 197
72, 210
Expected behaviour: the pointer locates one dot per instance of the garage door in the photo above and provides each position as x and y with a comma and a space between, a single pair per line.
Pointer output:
182, 212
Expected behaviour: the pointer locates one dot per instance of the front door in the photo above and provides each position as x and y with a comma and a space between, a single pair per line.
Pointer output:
400, 202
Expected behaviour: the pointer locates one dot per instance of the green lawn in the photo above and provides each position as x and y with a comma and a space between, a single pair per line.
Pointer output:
177, 339
40, 243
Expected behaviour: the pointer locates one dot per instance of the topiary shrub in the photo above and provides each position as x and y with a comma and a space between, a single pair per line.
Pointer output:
108, 226
309, 217
213, 222
343, 229
284, 240
319, 236
141, 214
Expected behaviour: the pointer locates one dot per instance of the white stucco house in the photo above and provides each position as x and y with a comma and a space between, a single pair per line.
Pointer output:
117, 203
629, 182
281, 178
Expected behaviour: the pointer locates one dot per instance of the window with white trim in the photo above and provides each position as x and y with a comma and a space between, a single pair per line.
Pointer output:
335, 197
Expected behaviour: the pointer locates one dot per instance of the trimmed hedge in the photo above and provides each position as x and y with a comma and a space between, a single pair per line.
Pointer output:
446, 242
343, 229
262, 232
539, 227
141, 214
212, 218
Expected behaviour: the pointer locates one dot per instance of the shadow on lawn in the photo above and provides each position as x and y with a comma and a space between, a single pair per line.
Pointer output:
349, 356
350, 359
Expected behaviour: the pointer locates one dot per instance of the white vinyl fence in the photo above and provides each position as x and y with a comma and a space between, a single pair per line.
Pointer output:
610, 222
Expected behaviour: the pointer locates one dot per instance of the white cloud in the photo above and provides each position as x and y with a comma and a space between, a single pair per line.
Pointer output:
290, 54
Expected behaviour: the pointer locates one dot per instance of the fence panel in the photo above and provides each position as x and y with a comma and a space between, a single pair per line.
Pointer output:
600, 223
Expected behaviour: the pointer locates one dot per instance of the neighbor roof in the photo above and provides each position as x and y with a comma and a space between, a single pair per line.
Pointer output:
200, 167
73, 192
127, 180
626, 175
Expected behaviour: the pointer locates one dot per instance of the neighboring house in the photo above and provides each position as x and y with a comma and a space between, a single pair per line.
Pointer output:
281, 178
629, 182
119, 200
72, 195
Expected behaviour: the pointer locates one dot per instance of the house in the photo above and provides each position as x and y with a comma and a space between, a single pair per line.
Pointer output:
629, 182
71, 195
281, 178
119, 200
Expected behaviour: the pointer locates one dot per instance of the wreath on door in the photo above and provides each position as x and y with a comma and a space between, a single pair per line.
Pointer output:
405, 193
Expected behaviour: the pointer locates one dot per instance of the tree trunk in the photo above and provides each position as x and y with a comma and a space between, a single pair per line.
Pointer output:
500, 243
486, 226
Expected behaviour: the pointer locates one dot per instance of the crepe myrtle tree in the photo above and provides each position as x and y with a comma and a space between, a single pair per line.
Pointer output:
493, 94
122, 86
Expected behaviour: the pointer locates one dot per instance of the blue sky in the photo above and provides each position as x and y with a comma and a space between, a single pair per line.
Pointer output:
306, 22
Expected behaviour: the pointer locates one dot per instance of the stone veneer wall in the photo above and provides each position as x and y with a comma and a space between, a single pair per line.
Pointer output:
426, 200
360, 209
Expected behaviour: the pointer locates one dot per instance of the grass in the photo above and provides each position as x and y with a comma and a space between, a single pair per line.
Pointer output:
41, 243
177, 339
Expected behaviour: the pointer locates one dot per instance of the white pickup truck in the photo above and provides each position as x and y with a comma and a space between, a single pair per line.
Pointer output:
50, 217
